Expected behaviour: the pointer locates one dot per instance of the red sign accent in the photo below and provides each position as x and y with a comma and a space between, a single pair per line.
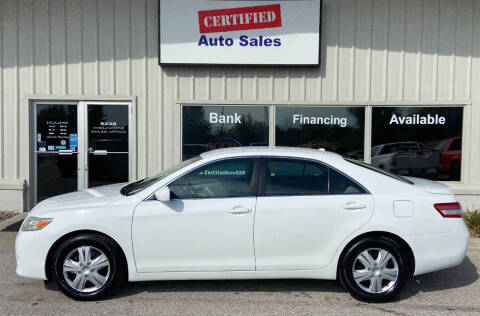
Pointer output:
237, 19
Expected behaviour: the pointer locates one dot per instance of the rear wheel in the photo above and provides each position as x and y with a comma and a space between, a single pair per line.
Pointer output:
374, 269
88, 267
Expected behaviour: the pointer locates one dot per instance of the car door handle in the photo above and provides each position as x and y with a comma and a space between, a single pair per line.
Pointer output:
351, 206
240, 210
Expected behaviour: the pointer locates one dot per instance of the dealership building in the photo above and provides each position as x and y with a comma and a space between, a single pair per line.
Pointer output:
95, 92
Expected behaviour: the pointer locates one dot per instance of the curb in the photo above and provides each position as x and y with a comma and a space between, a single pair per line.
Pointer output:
20, 217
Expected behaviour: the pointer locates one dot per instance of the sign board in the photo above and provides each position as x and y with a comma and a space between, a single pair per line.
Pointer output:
240, 32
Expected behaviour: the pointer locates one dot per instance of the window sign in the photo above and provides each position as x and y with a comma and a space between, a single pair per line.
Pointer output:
338, 129
212, 127
418, 141
240, 32
108, 127
56, 123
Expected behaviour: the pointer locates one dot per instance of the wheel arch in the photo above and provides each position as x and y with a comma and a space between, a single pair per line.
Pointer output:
405, 247
60, 240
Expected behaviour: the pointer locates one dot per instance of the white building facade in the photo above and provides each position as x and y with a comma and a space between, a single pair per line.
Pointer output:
86, 101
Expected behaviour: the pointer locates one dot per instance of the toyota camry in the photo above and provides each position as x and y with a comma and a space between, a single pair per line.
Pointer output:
247, 213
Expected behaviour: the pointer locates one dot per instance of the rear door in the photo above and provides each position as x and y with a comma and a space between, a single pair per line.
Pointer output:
304, 211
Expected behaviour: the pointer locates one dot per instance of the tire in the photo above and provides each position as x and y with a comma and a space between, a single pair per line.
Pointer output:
382, 282
94, 276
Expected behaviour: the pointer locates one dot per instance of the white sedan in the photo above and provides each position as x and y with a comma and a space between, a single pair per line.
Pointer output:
247, 213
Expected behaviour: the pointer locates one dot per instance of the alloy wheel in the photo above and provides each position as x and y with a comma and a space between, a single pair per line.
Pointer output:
86, 269
375, 270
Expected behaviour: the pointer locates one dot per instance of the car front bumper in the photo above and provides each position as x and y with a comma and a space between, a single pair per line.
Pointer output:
31, 249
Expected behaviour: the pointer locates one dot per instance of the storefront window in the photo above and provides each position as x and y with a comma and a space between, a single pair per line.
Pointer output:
338, 129
212, 127
418, 141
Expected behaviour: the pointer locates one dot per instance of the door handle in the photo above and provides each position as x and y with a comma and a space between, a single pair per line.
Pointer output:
240, 210
351, 206
99, 152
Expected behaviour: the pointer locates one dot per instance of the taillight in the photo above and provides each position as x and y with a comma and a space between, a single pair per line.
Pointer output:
449, 210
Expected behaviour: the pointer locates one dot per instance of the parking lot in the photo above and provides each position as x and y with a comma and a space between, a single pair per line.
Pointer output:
453, 291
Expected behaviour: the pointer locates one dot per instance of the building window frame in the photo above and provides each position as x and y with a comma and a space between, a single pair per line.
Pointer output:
368, 105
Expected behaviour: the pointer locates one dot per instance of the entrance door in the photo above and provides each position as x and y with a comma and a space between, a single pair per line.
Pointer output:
107, 133
79, 145
55, 155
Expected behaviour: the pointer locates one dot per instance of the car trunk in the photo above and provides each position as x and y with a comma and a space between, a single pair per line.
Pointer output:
430, 186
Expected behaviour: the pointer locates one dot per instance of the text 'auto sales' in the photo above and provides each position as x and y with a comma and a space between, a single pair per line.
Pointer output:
238, 19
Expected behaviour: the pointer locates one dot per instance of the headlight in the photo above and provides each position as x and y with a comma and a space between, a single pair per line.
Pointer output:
35, 223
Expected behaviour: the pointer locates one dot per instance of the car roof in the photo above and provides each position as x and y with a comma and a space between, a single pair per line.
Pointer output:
294, 152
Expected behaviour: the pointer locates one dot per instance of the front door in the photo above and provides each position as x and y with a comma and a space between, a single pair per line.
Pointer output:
206, 226
78, 145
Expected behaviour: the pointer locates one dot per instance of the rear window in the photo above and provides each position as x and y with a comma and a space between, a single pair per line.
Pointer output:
382, 171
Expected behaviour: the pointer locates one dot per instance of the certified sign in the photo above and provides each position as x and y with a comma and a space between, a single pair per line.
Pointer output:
238, 19
240, 32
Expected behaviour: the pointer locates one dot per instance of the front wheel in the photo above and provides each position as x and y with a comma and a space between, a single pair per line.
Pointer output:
88, 267
374, 269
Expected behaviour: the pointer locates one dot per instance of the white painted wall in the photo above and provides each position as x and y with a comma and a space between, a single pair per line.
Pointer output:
373, 52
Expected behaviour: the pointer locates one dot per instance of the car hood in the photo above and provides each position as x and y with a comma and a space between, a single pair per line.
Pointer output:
93, 197
430, 186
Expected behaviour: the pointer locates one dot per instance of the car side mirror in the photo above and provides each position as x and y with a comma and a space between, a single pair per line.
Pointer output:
163, 194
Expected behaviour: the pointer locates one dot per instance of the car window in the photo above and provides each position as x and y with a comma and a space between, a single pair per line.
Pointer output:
340, 184
441, 146
387, 149
227, 178
295, 177
376, 150
140, 185
456, 144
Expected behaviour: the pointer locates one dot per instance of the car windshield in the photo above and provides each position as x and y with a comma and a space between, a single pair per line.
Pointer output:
382, 171
137, 186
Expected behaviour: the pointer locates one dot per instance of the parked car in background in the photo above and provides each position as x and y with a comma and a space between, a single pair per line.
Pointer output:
243, 213
450, 157
408, 158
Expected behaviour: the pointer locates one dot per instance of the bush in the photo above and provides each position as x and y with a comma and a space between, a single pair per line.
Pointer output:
472, 219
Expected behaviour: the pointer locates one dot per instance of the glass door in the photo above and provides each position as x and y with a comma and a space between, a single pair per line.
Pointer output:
56, 149
79, 145
108, 144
